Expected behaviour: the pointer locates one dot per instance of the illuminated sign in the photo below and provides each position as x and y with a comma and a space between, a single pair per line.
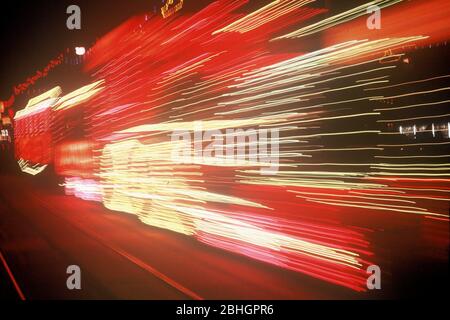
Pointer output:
170, 7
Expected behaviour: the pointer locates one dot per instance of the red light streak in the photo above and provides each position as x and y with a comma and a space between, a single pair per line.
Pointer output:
221, 68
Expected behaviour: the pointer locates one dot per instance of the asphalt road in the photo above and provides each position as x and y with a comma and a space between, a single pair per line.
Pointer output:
42, 232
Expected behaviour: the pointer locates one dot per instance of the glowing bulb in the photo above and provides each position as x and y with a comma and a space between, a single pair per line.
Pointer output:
80, 51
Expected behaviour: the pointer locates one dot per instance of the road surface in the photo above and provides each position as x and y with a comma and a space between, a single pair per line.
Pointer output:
42, 232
